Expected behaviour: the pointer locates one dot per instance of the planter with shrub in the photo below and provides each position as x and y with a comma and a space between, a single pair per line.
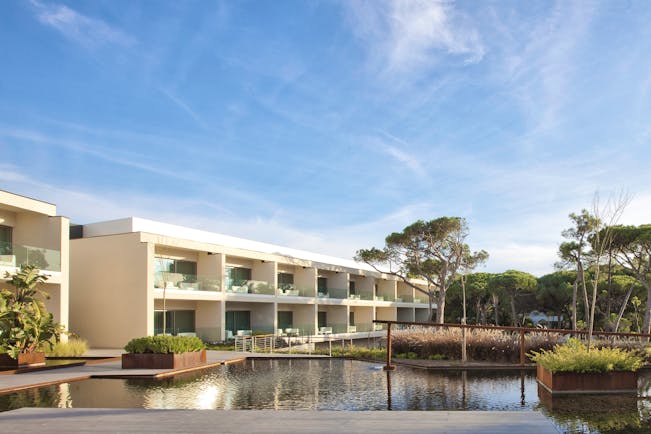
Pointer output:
164, 352
571, 368
26, 327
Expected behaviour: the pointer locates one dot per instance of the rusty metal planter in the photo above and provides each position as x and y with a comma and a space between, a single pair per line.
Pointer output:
163, 361
23, 360
574, 382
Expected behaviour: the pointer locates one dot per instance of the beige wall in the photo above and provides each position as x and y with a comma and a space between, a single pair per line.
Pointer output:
305, 279
406, 314
386, 287
111, 289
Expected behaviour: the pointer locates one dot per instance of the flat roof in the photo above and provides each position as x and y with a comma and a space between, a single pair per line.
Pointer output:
136, 224
19, 203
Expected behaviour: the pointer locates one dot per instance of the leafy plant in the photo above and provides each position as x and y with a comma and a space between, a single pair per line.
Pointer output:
72, 348
25, 324
573, 356
164, 344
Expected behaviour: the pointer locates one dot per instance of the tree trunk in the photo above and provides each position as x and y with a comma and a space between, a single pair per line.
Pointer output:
623, 308
574, 297
440, 307
610, 285
514, 320
496, 302
586, 302
647, 310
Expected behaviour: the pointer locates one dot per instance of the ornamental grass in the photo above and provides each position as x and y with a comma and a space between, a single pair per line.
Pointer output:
482, 345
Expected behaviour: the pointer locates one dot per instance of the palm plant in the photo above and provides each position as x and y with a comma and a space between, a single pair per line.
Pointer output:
25, 324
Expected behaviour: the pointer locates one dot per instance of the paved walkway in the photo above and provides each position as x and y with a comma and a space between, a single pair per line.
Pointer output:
113, 369
53, 420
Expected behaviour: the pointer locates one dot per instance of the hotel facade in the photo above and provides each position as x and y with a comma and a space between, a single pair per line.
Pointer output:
31, 233
135, 277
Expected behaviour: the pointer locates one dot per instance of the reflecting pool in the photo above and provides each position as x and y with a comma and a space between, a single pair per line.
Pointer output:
335, 384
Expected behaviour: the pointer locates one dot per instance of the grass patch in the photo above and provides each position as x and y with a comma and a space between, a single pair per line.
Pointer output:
72, 348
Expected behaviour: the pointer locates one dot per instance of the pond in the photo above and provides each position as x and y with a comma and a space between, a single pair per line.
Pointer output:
335, 384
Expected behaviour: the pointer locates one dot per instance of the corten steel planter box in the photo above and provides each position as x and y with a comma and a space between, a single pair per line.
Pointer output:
163, 361
23, 360
574, 382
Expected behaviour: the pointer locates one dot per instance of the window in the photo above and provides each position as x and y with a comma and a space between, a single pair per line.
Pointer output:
351, 287
351, 318
238, 320
323, 319
322, 284
5, 240
285, 281
176, 321
236, 276
187, 268
285, 320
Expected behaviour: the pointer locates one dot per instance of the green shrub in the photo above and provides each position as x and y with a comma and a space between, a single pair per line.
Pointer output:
437, 357
164, 344
72, 348
573, 356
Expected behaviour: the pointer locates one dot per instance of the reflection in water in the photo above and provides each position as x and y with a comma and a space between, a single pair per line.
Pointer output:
335, 384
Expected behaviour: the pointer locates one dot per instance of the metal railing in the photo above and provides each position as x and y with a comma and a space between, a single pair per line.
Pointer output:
521, 331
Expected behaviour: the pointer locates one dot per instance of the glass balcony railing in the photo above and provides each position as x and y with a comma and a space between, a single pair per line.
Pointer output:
187, 282
405, 298
251, 287
361, 296
16, 255
332, 293
384, 297
420, 299
287, 290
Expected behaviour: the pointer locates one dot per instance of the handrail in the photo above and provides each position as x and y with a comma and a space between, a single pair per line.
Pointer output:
520, 330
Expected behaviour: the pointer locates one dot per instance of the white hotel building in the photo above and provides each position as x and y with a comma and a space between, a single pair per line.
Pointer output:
126, 274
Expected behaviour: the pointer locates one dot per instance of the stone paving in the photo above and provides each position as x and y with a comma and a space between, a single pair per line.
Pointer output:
53, 420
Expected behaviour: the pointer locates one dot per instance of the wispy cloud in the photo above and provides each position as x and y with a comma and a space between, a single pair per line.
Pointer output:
185, 108
411, 35
541, 62
86, 31
399, 151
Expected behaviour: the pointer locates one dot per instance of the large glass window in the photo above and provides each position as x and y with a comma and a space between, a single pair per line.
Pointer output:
285, 320
187, 268
323, 319
351, 287
236, 276
285, 281
351, 318
238, 320
5, 240
176, 321
322, 284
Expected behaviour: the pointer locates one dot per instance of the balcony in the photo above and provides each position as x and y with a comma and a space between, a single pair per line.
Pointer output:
405, 298
361, 296
288, 290
17, 255
333, 293
185, 282
251, 287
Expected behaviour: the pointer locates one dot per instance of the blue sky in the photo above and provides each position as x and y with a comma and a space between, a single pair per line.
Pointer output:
326, 125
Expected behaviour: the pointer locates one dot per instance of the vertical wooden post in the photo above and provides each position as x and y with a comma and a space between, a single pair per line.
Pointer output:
521, 347
389, 366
